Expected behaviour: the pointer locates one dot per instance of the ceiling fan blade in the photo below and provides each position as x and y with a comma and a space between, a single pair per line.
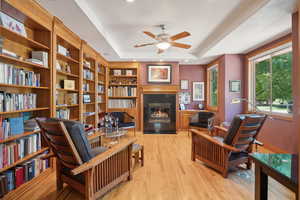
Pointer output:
150, 34
143, 45
160, 51
180, 35
180, 45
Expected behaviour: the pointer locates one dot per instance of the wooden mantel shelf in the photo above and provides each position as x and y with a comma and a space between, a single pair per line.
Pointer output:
159, 88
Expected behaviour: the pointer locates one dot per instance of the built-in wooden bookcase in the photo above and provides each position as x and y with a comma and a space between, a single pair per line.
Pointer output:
66, 66
122, 92
16, 49
102, 85
89, 84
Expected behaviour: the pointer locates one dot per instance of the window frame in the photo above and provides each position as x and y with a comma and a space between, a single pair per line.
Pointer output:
252, 61
209, 106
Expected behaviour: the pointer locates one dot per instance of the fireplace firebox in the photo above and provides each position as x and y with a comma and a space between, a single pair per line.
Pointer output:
159, 113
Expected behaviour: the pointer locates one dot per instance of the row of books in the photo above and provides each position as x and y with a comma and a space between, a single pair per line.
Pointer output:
88, 74
13, 178
14, 151
63, 113
121, 103
14, 101
11, 127
101, 88
122, 91
86, 87
9, 74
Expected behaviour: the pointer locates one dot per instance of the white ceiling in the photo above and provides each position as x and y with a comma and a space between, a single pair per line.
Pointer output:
217, 26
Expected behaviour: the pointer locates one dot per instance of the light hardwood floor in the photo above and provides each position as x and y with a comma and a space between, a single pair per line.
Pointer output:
169, 174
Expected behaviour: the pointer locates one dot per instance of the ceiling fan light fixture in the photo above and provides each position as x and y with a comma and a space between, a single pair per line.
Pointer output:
163, 45
130, 1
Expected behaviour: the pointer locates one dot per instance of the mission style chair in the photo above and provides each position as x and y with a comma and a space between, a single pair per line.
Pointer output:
202, 121
223, 153
92, 172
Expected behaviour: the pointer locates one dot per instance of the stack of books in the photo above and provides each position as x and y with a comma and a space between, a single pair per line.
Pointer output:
122, 91
121, 103
10, 74
13, 101
11, 127
14, 151
86, 87
11, 179
41, 56
63, 114
87, 74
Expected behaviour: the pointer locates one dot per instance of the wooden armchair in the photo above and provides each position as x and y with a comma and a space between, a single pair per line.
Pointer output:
202, 121
92, 172
233, 150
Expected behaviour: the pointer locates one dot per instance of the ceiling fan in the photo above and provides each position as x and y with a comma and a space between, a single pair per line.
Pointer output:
165, 41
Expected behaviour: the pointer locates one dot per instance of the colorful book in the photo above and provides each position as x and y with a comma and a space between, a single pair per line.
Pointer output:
17, 125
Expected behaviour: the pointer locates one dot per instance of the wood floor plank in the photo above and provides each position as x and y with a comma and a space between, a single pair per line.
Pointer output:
169, 174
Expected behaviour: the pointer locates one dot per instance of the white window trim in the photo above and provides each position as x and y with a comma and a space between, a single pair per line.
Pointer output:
251, 75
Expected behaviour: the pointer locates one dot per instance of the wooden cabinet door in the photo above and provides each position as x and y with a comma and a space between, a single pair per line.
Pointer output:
185, 120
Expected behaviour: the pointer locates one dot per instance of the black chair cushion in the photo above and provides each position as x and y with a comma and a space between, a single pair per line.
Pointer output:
199, 124
119, 115
234, 127
67, 172
238, 155
125, 125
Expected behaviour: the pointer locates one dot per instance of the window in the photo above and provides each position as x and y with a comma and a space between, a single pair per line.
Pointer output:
213, 86
271, 80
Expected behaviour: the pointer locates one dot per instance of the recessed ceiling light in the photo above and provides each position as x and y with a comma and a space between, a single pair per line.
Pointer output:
134, 60
186, 60
130, 1
161, 60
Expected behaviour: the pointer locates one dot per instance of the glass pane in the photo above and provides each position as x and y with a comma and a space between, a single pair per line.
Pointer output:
282, 83
214, 87
263, 86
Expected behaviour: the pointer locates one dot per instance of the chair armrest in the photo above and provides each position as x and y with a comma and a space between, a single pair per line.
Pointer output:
220, 128
258, 143
103, 156
47, 156
213, 140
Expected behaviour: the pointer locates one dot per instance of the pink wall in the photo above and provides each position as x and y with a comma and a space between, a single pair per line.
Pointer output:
175, 72
192, 73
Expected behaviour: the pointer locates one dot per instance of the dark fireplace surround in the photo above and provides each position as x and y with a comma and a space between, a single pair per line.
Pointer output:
159, 113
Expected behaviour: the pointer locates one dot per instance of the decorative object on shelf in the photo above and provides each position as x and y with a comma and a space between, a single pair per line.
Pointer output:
86, 64
184, 84
68, 84
62, 50
41, 56
159, 73
235, 86
86, 98
182, 106
129, 72
201, 106
198, 91
184, 98
117, 72
12, 24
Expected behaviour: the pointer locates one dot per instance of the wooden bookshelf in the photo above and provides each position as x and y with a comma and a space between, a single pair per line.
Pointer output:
102, 85
38, 28
89, 78
124, 76
66, 102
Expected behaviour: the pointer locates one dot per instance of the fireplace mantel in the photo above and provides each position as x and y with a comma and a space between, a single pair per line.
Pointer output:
159, 89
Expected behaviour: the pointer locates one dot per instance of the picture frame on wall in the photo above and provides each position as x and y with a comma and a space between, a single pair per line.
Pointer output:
198, 91
184, 84
159, 74
235, 86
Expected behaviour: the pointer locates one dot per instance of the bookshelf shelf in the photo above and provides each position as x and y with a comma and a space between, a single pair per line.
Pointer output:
122, 84
12, 138
11, 35
66, 58
124, 76
66, 106
67, 74
86, 92
15, 61
28, 157
89, 103
89, 80
120, 97
67, 90
27, 110
23, 86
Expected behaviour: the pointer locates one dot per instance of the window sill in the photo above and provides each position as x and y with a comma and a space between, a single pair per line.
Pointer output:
276, 116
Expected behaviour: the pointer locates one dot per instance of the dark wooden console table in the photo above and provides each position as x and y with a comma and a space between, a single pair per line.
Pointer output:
282, 167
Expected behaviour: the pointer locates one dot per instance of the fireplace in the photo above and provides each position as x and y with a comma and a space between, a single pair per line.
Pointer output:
159, 113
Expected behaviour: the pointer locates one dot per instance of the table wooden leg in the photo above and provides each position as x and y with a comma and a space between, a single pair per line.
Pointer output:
261, 184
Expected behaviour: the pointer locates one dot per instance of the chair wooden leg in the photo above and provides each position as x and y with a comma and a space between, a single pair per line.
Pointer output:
225, 173
136, 157
142, 156
249, 164
59, 182
89, 193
